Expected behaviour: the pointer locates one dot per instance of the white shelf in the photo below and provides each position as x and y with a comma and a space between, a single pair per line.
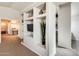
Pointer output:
41, 15
30, 18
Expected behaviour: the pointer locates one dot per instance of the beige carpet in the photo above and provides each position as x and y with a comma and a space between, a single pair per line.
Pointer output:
11, 46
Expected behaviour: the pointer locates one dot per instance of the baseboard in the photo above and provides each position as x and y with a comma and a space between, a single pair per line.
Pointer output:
30, 48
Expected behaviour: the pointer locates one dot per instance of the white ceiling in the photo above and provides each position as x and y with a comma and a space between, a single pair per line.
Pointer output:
16, 5
21, 5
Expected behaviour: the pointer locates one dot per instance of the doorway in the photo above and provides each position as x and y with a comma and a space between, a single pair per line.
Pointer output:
4, 26
64, 30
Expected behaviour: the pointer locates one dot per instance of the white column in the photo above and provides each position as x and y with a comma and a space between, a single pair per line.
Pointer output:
51, 31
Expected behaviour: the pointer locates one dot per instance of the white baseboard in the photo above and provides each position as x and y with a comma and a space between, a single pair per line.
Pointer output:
30, 48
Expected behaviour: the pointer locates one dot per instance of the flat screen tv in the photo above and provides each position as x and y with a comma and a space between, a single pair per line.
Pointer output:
30, 27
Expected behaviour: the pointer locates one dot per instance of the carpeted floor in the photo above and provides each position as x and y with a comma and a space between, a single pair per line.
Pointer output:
11, 46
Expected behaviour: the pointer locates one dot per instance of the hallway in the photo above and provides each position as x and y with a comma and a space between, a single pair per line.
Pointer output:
11, 46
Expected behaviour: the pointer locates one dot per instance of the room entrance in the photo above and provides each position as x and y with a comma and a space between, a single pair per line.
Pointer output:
4, 26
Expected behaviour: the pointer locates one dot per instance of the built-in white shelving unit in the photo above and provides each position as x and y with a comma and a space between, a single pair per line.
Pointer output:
37, 15
34, 16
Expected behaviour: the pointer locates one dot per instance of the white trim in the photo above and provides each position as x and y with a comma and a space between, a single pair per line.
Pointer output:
30, 48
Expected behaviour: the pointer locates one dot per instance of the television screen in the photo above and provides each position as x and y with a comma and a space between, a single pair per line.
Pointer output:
30, 27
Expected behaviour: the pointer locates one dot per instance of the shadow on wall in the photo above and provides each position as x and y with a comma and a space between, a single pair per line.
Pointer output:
73, 37
74, 41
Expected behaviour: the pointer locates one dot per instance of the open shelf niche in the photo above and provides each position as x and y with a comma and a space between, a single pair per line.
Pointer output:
29, 23
41, 10
40, 25
29, 15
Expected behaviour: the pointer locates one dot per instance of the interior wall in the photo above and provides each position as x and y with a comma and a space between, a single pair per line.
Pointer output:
64, 25
75, 20
6, 12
